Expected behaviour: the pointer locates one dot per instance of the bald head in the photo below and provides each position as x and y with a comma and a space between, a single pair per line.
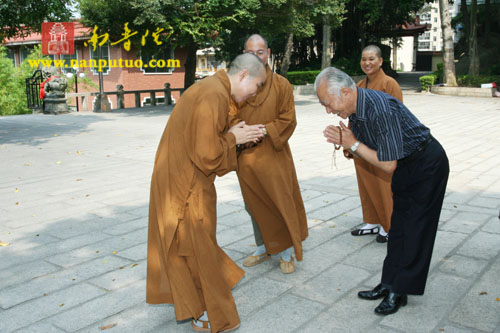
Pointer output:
249, 62
374, 49
246, 74
256, 38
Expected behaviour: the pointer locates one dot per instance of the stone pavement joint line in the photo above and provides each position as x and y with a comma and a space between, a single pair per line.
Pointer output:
74, 197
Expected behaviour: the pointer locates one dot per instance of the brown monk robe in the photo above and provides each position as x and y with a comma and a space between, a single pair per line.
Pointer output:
266, 171
186, 266
375, 185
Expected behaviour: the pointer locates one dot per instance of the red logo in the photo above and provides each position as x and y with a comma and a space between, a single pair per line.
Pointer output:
58, 38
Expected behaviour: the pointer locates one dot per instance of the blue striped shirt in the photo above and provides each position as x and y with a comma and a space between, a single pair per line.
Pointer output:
384, 124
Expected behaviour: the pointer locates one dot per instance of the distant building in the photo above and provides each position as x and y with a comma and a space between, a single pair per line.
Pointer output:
206, 64
132, 78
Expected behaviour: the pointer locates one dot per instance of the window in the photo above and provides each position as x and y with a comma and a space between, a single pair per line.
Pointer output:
95, 55
424, 45
434, 38
433, 48
24, 52
435, 20
435, 29
67, 58
164, 54
11, 54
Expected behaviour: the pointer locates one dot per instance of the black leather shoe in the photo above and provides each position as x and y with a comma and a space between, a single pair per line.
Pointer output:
391, 304
376, 293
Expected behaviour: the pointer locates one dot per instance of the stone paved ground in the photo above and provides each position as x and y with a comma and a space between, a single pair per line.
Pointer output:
74, 204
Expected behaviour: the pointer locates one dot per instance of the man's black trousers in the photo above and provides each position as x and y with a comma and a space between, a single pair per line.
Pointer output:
418, 190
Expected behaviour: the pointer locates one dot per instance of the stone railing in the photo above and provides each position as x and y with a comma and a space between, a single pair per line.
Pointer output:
120, 97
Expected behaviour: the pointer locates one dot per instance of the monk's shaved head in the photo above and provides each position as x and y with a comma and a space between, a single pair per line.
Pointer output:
248, 61
373, 48
255, 38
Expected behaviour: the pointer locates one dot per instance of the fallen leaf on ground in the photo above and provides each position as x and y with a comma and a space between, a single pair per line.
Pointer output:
102, 328
79, 179
105, 262
17, 190
332, 226
45, 294
498, 299
56, 134
58, 162
17, 203
4, 244
61, 305
26, 164
483, 293
78, 152
114, 252
133, 265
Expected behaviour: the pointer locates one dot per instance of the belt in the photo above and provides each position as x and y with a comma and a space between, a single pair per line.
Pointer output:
417, 153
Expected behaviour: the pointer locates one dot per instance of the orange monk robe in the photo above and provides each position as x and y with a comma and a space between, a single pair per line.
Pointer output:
374, 184
186, 267
266, 172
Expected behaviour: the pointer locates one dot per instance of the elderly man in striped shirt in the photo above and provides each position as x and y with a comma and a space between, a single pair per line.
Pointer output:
386, 134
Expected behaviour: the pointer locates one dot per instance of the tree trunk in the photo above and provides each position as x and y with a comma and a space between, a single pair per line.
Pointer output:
448, 51
473, 52
465, 19
327, 43
288, 54
190, 65
394, 53
487, 23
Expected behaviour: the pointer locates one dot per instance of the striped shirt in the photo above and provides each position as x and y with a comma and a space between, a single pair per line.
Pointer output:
384, 124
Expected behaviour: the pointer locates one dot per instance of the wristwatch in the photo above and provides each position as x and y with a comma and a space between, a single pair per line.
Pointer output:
264, 131
355, 146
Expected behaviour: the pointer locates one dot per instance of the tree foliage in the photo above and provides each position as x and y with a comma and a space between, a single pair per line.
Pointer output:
12, 88
221, 23
19, 18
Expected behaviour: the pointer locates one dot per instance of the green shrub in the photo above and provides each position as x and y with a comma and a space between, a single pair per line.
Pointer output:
303, 77
476, 80
439, 72
12, 87
349, 65
426, 81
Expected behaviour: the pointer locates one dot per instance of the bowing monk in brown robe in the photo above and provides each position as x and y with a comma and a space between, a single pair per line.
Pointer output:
266, 171
186, 266
375, 185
